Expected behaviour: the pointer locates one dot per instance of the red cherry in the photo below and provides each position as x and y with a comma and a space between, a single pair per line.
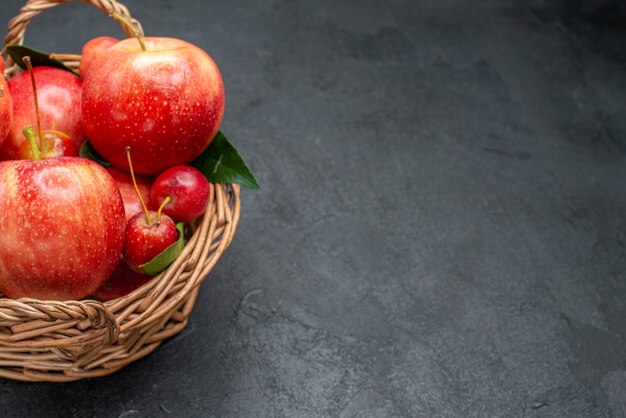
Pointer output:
146, 235
182, 192
144, 240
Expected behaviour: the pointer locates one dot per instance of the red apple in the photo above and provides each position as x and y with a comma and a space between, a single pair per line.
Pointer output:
146, 237
6, 108
166, 102
92, 49
59, 94
62, 227
183, 191
122, 281
124, 181
51, 143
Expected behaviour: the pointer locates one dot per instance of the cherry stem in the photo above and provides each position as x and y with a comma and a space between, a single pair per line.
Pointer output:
130, 26
132, 175
29, 133
29, 65
74, 57
165, 202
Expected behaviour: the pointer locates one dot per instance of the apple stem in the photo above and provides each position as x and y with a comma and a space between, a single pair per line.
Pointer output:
29, 65
165, 202
132, 175
29, 133
130, 26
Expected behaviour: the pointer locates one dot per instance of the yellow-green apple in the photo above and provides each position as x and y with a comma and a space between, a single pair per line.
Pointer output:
166, 102
59, 94
92, 49
62, 227
52, 144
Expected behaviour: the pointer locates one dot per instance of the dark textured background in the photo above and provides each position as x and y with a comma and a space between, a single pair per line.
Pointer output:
441, 229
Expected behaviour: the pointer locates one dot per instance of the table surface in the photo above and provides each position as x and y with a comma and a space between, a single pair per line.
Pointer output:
441, 227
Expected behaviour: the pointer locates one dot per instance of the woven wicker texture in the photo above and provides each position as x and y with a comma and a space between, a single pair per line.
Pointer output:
70, 340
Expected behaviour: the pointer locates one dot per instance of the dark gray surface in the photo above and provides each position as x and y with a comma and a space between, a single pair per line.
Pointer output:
441, 229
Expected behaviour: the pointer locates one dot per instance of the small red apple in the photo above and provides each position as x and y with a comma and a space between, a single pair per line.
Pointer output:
92, 49
124, 181
122, 281
61, 230
166, 102
182, 192
59, 94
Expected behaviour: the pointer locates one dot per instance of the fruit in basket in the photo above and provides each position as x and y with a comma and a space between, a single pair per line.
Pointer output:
122, 281
148, 233
59, 93
165, 100
182, 192
92, 49
51, 143
6, 108
124, 181
62, 227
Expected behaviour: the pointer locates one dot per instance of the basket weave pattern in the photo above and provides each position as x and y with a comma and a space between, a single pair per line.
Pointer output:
70, 340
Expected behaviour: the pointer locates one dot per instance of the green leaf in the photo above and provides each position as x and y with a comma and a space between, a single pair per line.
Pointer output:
89, 152
37, 58
167, 257
221, 163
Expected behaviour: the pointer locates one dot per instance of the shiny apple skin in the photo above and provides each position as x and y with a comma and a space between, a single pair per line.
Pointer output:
61, 230
166, 103
144, 242
188, 190
92, 49
59, 93
124, 181
6, 108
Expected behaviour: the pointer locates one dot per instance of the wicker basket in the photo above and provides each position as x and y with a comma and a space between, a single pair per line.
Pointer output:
63, 341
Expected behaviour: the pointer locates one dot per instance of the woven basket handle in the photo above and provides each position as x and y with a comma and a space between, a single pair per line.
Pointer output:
17, 25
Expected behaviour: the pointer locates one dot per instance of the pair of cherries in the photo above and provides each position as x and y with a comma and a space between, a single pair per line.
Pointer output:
181, 194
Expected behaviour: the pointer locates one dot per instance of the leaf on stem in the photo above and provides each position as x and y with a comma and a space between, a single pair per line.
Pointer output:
222, 163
